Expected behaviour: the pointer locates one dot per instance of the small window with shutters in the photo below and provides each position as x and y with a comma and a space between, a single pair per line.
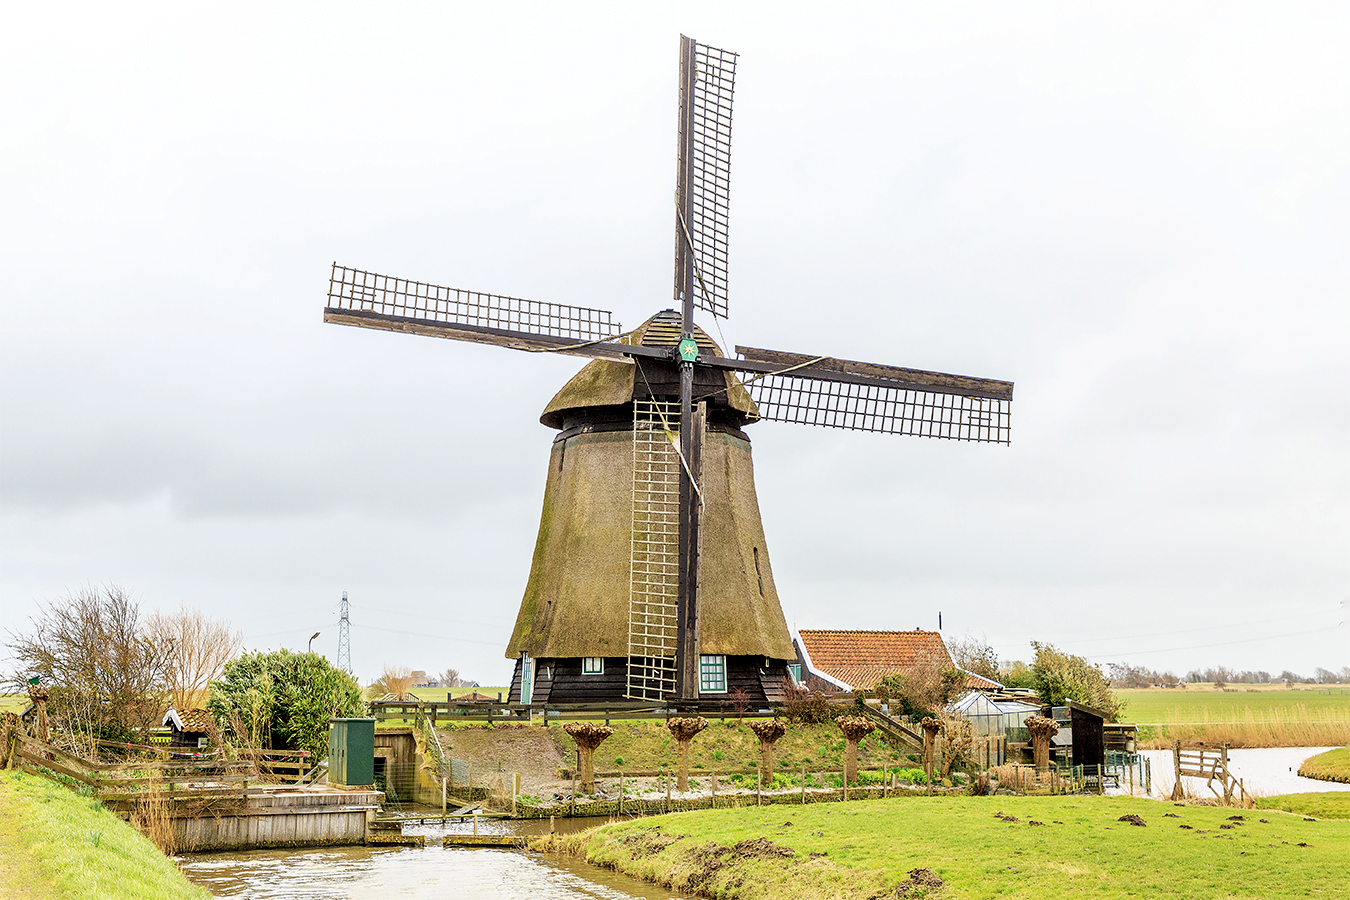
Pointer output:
592, 665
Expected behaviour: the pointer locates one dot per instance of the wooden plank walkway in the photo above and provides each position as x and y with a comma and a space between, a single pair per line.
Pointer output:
484, 840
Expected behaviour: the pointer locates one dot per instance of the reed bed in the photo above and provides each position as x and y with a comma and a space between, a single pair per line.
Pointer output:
1298, 726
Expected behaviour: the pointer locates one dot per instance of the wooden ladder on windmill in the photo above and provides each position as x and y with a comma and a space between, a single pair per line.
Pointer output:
654, 579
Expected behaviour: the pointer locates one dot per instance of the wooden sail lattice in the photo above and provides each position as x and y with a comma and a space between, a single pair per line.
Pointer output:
859, 407
653, 624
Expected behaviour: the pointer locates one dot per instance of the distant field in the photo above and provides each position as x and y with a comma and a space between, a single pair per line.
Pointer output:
438, 694
1205, 704
15, 703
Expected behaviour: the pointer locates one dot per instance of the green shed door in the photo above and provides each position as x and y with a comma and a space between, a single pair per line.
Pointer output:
351, 751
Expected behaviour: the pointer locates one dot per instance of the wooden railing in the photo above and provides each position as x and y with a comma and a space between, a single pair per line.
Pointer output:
124, 784
491, 711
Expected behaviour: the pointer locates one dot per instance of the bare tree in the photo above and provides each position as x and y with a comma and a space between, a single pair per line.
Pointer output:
199, 648
974, 655
450, 678
107, 676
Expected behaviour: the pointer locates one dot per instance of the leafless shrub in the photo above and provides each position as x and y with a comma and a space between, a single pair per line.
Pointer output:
394, 683
107, 674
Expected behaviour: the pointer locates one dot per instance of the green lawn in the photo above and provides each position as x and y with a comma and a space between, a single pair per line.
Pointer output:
1156, 705
1082, 850
56, 844
1333, 765
438, 694
15, 703
1323, 805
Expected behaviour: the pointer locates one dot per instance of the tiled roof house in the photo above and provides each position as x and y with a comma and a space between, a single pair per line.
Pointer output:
837, 660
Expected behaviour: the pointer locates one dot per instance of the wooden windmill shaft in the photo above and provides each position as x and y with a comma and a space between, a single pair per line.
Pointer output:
786, 387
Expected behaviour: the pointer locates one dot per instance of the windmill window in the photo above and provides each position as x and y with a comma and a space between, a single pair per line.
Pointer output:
592, 665
526, 679
712, 674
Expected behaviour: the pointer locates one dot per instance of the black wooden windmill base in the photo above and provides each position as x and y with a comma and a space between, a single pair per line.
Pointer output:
676, 400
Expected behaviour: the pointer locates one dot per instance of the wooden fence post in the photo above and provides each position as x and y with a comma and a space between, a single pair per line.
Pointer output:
803, 785
1177, 792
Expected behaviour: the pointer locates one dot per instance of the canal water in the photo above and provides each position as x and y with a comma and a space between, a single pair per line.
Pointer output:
1264, 772
337, 873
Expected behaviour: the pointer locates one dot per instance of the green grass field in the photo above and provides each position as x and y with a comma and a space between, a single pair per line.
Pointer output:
438, 694
1204, 704
15, 703
1082, 850
56, 844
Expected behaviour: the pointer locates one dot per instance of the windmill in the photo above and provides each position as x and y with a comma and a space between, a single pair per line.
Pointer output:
667, 393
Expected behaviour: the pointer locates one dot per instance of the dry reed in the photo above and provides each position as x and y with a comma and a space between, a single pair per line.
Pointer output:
153, 817
1296, 727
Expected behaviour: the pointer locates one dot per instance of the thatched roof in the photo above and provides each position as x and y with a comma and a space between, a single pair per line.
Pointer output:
576, 601
604, 382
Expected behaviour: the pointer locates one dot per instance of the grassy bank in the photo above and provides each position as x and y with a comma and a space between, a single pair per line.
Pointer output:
1333, 765
1326, 805
723, 746
56, 844
1043, 847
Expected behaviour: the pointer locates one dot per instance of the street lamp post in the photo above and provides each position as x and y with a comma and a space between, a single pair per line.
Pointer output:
310, 648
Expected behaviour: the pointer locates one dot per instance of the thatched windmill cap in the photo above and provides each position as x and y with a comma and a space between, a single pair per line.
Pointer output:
610, 383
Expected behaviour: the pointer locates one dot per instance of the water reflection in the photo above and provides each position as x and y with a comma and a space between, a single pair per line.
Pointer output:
433, 872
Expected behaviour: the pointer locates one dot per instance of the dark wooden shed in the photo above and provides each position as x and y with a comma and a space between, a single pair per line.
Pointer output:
189, 728
1088, 727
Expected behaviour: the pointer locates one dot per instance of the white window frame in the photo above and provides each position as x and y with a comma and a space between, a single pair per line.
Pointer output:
718, 664
526, 680
795, 670
592, 665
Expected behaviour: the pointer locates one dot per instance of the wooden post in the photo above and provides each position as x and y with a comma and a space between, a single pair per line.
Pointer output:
759, 785
714, 789
1177, 792
552, 829
443, 791
1227, 783
667, 792
621, 783
515, 789
803, 785
475, 823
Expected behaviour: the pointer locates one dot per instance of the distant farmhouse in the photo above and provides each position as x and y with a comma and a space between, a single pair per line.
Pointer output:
834, 661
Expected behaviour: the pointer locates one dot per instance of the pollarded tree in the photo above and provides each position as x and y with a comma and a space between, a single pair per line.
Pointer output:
768, 731
588, 736
684, 730
284, 700
855, 728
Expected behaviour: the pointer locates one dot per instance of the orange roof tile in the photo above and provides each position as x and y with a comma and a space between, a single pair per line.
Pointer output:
862, 658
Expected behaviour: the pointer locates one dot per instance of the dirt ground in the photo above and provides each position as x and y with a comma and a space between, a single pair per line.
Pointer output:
505, 749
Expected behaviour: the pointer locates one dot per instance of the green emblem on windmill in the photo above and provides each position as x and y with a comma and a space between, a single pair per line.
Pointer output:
688, 349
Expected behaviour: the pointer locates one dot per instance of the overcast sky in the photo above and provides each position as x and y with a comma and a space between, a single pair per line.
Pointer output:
1137, 213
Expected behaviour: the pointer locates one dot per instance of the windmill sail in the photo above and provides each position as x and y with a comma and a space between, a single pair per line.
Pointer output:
835, 393
383, 302
703, 188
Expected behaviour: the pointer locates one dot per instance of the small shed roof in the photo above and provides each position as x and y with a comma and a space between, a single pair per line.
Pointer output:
189, 720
